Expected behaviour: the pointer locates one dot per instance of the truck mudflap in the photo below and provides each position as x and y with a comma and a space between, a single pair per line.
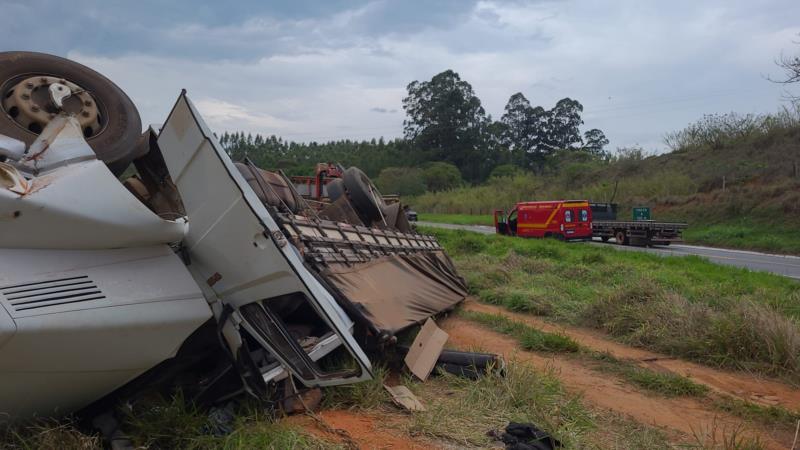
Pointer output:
257, 283
386, 280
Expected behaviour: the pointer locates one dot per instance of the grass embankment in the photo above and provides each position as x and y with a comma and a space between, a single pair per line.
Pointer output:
742, 234
775, 238
682, 306
734, 179
458, 219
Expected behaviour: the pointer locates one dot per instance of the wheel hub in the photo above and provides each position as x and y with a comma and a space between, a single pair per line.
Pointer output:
32, 104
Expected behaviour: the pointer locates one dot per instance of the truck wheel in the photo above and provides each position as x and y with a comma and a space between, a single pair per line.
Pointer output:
620, 237
110, 122
335, 189
604, 238
363, 193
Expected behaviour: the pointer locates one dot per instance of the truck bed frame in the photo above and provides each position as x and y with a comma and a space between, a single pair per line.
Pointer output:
641, 232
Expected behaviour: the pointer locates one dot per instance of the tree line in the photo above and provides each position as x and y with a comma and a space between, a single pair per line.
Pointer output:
445, 122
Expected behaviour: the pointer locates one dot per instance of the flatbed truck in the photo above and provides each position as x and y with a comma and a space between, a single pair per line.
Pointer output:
633, 232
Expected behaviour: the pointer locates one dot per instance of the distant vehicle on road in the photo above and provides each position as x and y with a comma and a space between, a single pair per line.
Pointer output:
582, 220
411, 215
638, 231
561, 219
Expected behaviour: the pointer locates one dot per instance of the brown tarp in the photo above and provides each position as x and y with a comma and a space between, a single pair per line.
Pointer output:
394, 292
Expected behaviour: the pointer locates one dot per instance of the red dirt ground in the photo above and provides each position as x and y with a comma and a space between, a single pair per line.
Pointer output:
366, 430
735, 384
680, 417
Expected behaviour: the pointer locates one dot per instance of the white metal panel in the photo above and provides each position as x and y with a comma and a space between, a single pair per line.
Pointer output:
60, 359
80, 206
230, 238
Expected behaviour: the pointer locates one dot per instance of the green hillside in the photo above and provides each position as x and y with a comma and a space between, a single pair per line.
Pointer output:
735, 179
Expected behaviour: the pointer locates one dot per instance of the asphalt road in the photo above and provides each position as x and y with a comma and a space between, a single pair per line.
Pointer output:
788, 266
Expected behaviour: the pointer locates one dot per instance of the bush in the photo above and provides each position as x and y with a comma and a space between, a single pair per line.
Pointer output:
716, 131
441, 176
401, 180
505, 170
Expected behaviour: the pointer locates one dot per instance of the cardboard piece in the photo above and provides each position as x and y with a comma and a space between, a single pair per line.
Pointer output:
405, 398
425, 350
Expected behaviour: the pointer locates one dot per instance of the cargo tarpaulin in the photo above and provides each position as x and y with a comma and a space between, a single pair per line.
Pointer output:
397, 291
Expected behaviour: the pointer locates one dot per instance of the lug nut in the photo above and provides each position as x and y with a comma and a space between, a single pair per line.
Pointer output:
26, 97
43, 80
29, 85
35, 108
85, 114
87, 103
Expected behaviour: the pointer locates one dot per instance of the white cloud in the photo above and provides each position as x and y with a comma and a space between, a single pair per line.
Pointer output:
640, 69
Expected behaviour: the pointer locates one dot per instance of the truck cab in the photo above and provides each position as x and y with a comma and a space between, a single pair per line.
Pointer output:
561, 219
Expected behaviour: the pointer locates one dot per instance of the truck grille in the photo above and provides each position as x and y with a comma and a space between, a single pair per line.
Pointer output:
43, 294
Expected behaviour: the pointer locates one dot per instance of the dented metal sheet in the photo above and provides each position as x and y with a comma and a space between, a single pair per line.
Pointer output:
11, 179
77, 204
234, 240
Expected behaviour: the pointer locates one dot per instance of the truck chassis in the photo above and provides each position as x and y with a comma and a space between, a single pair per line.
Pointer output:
643, 233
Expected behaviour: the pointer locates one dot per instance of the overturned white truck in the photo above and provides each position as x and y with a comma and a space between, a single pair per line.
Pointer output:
131, 260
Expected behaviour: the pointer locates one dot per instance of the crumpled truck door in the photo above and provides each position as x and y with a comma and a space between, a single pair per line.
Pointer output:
241, 259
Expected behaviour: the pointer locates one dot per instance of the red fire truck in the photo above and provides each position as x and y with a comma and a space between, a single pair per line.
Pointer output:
561, 219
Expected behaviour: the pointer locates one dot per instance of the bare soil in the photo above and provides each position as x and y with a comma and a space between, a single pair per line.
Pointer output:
740, 385
366, 430
683, 419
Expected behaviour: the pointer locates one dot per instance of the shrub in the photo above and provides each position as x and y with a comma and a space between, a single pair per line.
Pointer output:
401, 180
441, 176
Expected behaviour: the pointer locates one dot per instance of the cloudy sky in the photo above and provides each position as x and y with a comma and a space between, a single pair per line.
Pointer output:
333, 69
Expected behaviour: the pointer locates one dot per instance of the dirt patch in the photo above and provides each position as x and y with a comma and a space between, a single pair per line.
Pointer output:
739, 385
681, 418
365, 430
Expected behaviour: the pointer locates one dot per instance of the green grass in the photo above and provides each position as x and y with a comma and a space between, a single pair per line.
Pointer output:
365, 395
768, 415
167, 423
47, 434
746, 235
176, 423
683, 306
464, 410
664, 383
458, 219
529, 338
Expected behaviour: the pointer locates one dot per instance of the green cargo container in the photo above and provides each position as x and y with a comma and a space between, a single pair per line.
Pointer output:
641, 213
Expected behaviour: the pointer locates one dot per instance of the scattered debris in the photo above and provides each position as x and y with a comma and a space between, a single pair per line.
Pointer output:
220, 420
470, 365
525, 436
307, 400
425, 350
405, 398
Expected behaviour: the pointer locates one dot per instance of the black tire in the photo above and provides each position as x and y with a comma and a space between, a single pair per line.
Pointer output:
116, 142
621, 238
363, 193
335, 189
604, 238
